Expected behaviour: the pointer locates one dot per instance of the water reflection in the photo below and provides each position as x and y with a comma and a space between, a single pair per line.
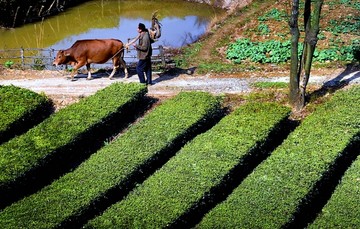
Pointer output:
183, 22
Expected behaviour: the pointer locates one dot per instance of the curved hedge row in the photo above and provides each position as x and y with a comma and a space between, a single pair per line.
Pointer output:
343, 209
286, 189
63, 137
111, 172
198, 171
20, 109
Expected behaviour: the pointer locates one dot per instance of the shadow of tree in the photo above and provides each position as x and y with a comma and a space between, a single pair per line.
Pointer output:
339, 82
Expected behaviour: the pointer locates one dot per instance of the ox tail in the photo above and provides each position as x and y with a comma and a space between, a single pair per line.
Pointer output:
122, 62
121, 53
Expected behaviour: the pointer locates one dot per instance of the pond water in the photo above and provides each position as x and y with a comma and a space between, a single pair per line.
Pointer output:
182, 23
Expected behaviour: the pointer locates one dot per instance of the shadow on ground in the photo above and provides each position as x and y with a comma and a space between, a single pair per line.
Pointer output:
339, 82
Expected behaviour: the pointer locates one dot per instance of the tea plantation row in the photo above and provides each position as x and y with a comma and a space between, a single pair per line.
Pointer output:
186, 163
21, 109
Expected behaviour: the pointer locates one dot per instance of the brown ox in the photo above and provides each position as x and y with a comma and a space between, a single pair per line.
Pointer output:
86, 52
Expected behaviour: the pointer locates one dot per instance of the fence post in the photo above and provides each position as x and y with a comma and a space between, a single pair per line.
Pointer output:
25, 54
161, 49
22, 57
51, 54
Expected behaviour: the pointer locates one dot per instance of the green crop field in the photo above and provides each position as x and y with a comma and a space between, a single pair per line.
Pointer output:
122, 159
186, 163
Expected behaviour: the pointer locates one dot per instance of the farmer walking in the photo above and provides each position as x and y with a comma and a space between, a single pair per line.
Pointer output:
144, 52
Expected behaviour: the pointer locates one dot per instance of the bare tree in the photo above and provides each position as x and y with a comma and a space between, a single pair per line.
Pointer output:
301, 67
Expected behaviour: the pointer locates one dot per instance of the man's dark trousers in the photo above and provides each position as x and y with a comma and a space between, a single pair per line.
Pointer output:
144, 66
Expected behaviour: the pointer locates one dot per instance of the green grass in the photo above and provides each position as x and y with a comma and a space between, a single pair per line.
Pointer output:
270, 85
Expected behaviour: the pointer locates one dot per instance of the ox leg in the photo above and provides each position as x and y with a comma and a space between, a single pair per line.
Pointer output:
126, 72
73, 73
113, 72
76, 68
89, 73
122, 62
115, 62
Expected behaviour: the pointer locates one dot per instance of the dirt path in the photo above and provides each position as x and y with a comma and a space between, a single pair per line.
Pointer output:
64, 92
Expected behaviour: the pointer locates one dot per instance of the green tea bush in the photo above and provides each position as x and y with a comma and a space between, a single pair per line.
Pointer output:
20, 109
342, 210
188, 180
281, 190
116, 167
65, 135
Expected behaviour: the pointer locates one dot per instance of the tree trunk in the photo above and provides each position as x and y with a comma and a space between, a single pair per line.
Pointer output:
311, 32
294, 67
297, 95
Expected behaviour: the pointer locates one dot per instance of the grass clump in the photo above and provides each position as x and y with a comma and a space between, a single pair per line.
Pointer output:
270, 85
